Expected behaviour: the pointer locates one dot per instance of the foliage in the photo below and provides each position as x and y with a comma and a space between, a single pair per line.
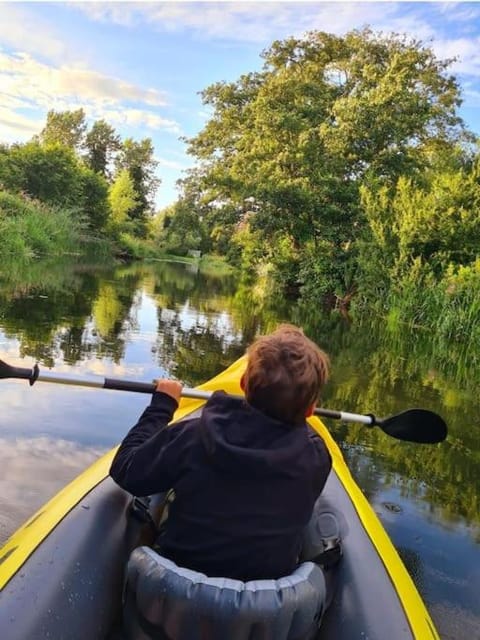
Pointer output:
65, 128
53, 169
101, 143
123, 201
418, 235
29, 229
48, 173
94, 199
438, 221
179, 229
138, 159
55, 176
300, 137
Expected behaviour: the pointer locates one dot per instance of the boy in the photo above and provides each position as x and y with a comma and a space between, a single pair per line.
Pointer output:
246, 473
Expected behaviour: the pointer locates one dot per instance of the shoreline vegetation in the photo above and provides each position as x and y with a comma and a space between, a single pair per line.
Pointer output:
339, 174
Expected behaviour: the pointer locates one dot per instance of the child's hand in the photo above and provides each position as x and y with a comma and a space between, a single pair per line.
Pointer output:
172, 388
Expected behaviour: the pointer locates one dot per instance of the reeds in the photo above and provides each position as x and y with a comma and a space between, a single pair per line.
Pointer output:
30, 229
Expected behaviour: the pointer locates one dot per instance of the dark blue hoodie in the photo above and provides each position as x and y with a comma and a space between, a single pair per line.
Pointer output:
245, 484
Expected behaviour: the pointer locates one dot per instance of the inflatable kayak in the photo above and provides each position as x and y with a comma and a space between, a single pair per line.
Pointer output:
63, 573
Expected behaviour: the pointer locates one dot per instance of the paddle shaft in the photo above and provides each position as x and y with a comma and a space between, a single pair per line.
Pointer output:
33, 375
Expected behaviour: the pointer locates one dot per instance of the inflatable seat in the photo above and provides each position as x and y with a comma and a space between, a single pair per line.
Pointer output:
165, 602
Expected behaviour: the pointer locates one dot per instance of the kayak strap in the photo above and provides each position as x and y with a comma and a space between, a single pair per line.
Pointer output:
140, 509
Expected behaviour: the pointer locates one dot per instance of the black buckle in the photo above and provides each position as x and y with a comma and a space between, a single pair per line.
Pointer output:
139, 508
331, 554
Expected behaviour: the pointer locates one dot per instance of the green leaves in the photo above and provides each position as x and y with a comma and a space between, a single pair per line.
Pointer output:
326, 118
65, 128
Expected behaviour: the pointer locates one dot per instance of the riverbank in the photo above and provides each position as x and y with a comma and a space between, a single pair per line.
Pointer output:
31, 229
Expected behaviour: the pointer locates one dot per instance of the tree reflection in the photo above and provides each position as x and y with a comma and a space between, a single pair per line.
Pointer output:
54, 313
60, 312
382, 370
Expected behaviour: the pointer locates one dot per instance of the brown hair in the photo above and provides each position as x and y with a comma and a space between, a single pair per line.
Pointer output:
285, 372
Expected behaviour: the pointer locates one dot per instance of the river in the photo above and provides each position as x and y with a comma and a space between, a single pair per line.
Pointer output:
171, 319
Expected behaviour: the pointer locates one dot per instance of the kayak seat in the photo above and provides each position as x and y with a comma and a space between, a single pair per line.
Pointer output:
163, 601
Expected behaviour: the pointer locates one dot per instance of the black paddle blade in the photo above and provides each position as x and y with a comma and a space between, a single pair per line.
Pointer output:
415, 425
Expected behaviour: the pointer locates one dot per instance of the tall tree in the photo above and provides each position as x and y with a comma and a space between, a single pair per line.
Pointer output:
66, 128
101, 143
138, 159
302, 134
94, 201
123, 201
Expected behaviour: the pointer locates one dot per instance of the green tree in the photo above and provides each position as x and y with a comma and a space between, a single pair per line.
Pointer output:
123, 201
101, 143
437, 222
66, 128
300, 136
138, 159
181, 228
54, 175
49, 173
94, 199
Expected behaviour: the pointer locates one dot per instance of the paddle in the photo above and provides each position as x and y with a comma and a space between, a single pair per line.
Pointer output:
413, 425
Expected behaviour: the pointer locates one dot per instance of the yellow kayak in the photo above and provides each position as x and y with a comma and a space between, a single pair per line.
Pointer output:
62, 573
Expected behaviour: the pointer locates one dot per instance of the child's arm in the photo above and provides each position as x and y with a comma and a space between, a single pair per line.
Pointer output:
148, 457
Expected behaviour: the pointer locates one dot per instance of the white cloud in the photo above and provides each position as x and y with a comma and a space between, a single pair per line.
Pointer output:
459, 11
33, 470
170, 164
122, 13
34, 86
261, 22
20, 28
137, 117
21, 71
467, 50
256, 22
15, 125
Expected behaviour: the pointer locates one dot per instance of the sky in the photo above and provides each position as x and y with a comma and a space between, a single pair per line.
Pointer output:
141, 65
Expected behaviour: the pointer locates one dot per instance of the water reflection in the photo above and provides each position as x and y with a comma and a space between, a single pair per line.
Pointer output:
52, 462
141, 322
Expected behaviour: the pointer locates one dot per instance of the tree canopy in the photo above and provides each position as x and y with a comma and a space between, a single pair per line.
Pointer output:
300, 137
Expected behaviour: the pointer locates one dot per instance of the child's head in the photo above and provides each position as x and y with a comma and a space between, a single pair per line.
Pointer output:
285, 372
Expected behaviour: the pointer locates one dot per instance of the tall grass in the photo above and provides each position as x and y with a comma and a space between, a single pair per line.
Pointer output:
444, 316
30, 229
448, 307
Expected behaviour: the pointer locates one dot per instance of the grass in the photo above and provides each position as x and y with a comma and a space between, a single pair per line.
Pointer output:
30, 229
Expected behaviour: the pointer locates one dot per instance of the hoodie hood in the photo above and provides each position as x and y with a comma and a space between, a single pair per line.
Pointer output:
238, 438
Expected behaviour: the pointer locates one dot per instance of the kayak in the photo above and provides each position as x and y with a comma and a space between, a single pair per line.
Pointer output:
62, 574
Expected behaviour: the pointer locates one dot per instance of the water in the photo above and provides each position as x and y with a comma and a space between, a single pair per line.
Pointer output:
140, 322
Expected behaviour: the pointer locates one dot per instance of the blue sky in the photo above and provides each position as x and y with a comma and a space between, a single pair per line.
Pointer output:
141, 65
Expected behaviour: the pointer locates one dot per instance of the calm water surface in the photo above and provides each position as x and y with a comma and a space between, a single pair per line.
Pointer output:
170, 319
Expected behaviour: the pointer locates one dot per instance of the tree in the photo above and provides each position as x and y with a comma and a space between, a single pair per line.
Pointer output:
101, 143
123, 201
437, 223
301, 135
55, 175
137, 158
94, 200
182, 228
66, 128
50, 174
